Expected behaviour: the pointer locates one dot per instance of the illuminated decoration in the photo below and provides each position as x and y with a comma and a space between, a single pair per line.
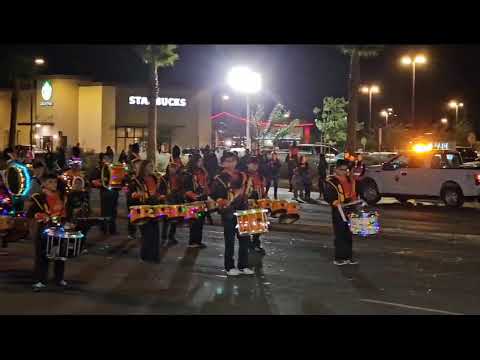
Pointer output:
47, 93
252, 221
19, 173
75, 161
419, 148
441, 146
161, 101
364, 222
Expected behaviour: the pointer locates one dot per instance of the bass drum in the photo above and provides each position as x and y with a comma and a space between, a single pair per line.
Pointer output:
17, 179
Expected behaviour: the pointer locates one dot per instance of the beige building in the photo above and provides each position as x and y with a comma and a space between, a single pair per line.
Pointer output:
68, 109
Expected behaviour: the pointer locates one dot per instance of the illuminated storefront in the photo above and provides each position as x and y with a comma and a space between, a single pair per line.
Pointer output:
68, 109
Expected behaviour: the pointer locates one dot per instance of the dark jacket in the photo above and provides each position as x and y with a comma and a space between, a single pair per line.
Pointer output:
273, 168
322, 168
78, 204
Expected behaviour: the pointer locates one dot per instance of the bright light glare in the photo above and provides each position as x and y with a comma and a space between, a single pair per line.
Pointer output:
453, 104
244, 80
55, 137
419, 148
374, 89
226, 97
39, 61
384, 113
38, 126
460, 105
365, 89
228, 142
444, 120
420, 59
37, 136
390, 110
406, 60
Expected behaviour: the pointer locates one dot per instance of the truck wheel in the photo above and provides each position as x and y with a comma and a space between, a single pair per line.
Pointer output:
369, 192
452, 196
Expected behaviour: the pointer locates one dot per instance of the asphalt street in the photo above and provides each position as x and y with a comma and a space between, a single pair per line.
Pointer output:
395, 276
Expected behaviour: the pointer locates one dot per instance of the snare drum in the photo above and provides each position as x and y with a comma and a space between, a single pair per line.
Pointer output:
63, 244
195, 209
176, 213
279, 207
141, 214
252, 204
160, 211
252, 221
265, 204
113, 175
364, 222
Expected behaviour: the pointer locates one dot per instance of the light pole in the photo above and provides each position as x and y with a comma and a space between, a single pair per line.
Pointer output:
407, 60
37, 62
248, 82
370, 90
385, 113
455, 105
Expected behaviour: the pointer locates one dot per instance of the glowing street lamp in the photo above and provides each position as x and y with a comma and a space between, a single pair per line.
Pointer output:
39, 61
225, 97
248, 82
412, 61
370, 90
386, 113
444, 121
455, 105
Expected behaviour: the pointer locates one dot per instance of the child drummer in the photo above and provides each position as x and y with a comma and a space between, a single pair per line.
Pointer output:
143, 189
47, 206
108, 197
196, 189
171, 190
340, 189
228, 191
78, 206
255, 189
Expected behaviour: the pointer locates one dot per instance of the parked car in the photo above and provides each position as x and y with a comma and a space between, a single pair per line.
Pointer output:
437, 174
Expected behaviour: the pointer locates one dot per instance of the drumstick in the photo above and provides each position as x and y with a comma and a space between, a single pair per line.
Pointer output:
342, 214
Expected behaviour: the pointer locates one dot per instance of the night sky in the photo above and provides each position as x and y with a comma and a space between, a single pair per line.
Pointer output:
299, 76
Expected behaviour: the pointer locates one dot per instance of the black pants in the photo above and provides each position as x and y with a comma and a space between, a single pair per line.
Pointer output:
108, 205
307, 191
273, 180
169, 228
132, 229
41, 260
255, 241
83, 227
290, 185
229, 232
343, 237
196, 231
321, 186
150, 242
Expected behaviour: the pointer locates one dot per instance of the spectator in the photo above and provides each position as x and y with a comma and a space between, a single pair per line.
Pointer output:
292, 163
123, 157
297, 185
61, 158
273, 170
109, 152
305, 174
322, 175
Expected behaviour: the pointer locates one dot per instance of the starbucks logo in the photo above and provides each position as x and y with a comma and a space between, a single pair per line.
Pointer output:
47, 91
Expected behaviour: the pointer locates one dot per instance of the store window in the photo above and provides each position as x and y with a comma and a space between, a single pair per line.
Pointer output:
126, 136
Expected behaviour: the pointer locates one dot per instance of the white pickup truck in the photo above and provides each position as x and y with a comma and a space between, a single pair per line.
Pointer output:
435, 174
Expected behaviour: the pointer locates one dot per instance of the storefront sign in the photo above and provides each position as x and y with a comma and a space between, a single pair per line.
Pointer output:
161, 101
46, 92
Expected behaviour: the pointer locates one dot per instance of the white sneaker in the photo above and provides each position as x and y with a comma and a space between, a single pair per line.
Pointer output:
233, 272
341, 262
246, 271
38, 286
62, 283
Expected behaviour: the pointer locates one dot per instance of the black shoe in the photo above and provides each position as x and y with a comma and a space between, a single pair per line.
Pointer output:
62, 283
259, 250
197, 245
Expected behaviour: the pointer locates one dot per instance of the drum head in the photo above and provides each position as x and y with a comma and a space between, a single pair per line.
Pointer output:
14, 180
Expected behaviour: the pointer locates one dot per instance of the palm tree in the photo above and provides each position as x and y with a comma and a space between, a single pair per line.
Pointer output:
355, 53
19, 69
155, 56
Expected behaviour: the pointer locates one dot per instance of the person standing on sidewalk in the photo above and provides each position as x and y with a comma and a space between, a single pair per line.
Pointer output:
322, 175
273, 170
292, 163
340, 190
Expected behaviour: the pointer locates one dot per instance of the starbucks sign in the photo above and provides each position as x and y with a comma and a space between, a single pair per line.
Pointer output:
46, 91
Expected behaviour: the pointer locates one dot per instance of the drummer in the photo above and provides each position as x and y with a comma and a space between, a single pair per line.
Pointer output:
143, 189
339, 190
196, 189
46, 206
78, 206
172, 192
255, 189
130, 178
108, 197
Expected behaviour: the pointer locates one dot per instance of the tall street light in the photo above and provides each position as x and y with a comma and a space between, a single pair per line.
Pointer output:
386, 113
38, 62
413, 61
248, 82
455, 105
370, 90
